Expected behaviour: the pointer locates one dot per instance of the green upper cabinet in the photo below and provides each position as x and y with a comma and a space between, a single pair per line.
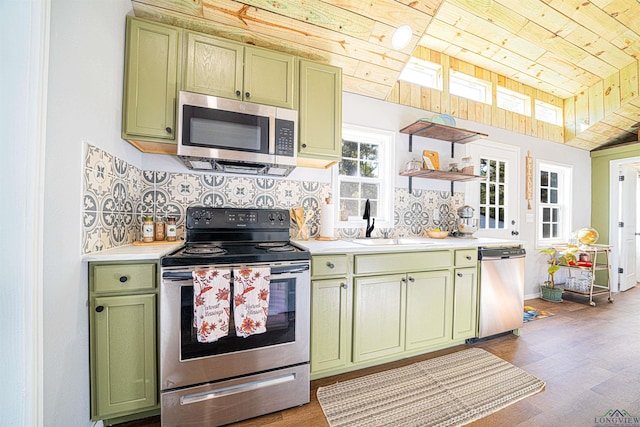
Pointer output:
320, 107
213, 66
223, 68
152, 69
269, 77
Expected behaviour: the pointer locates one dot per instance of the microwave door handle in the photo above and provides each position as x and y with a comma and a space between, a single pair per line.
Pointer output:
272, 134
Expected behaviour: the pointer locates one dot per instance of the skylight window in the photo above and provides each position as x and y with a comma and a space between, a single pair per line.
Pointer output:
423, 73
548, 113
513, 101
469, 87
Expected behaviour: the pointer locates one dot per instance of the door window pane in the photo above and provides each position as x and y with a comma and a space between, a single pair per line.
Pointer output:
493, 203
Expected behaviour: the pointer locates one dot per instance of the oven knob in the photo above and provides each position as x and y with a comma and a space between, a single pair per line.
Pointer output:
281, 217
272, 217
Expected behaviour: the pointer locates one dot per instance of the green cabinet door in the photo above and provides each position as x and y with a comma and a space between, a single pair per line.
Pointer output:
213, 66
330, 324
379, 316
124, 354
269, 77
465, 284
150, 81
429, 309
320, 127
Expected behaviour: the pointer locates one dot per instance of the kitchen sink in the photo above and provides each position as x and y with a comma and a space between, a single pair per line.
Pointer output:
398, 241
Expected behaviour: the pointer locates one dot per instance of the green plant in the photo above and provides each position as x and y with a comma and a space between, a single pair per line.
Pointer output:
568, 256
553, 267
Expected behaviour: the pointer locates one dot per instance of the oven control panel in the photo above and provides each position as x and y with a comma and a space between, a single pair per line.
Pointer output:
232, 218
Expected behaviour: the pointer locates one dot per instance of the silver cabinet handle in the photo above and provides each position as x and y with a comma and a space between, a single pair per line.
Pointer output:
330, 264
403, 280
412, 279
459, 274
343, 285
468, 257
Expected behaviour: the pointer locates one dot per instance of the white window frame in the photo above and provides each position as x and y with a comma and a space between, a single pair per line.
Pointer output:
386, 179
468, 85
421, 72
504, 95
543, 108
565, 202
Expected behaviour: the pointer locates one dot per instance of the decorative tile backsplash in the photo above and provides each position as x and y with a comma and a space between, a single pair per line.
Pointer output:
117, 195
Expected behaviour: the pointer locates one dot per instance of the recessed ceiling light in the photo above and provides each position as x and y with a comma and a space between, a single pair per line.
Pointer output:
401, 37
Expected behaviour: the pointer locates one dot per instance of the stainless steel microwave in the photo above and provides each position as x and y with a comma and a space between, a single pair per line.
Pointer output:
226, 135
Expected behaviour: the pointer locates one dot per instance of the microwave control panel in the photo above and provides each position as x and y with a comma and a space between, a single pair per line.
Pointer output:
285, 137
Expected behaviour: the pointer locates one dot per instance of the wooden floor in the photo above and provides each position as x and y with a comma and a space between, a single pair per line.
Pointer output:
588, 357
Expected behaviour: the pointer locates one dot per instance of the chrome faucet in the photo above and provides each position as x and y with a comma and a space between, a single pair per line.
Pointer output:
367, 216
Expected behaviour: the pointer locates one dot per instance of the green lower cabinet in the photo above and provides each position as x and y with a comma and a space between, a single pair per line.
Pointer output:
429, 309
124, 358
379, 308
465, 285
330, 324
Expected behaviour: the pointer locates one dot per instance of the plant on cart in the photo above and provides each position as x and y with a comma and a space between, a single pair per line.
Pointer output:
548, 291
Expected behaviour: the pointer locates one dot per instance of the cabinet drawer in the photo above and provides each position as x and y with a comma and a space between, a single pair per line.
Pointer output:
328, 265
466, 257
402, 261
124, 277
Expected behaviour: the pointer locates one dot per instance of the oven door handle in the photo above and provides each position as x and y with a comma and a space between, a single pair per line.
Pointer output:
186, 275
236, 389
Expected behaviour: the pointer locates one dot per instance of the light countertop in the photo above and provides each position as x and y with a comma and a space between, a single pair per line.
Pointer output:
155, 252
407, 244
133, 253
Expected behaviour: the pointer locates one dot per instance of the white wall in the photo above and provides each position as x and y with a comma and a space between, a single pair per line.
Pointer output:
23, 49
365, 111
84, 104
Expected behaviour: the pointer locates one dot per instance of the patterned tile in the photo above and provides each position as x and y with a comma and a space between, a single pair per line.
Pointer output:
117, 195
99, 161
239, 192
185, 189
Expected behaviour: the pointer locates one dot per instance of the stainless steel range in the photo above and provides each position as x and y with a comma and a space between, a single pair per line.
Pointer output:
234, 377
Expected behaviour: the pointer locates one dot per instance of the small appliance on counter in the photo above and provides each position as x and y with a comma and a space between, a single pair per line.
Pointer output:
467, 224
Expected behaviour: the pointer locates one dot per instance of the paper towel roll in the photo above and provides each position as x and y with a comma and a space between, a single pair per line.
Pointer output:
326, 220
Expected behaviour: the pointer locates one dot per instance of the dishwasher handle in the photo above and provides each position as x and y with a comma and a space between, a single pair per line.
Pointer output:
497, 258
487, 254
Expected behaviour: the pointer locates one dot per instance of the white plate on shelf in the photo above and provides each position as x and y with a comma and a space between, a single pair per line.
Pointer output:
444, 119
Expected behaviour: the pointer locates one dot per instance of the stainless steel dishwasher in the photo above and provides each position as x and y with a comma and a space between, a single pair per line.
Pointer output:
501, 289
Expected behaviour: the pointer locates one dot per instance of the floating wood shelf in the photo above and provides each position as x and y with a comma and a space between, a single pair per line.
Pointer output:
454, 135
442, 175
443, 132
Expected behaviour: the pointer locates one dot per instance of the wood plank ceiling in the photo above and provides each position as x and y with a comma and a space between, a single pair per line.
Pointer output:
562, 47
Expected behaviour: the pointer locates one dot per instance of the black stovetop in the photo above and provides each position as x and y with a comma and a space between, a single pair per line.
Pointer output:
234, 253
232, 236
